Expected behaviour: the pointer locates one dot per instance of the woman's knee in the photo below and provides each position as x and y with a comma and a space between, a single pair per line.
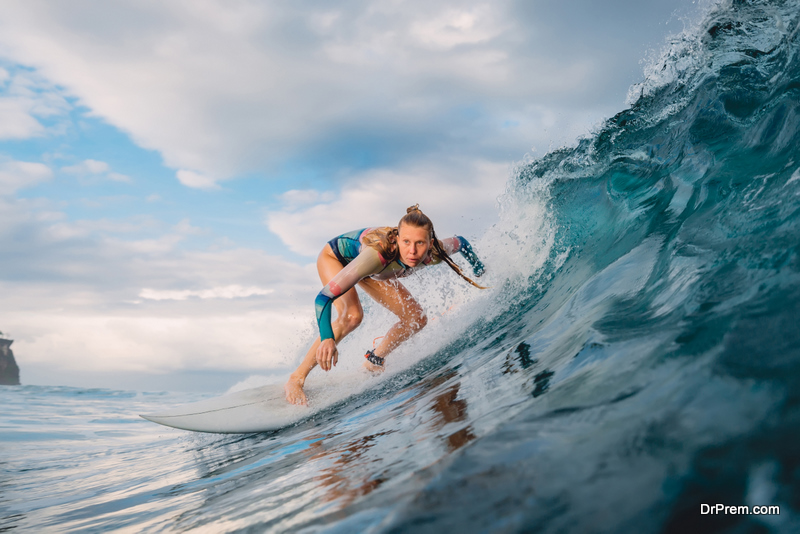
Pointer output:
417, 320
352, 320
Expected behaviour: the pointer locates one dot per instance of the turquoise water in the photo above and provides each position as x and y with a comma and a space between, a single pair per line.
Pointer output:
649, 364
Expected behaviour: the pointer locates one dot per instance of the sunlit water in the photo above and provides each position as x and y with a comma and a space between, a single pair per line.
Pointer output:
637, 356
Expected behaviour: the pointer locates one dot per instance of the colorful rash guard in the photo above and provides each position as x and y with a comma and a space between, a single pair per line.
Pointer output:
363, 261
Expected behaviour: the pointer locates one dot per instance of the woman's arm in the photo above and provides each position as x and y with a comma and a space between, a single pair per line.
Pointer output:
367, 263
459, 244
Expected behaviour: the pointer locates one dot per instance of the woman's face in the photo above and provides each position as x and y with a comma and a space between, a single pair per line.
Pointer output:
413, 243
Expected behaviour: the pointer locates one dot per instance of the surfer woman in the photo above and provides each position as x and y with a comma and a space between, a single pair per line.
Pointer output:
374, 258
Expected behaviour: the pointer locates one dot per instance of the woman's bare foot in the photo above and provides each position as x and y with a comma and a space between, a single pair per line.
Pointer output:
294, 391
372, 368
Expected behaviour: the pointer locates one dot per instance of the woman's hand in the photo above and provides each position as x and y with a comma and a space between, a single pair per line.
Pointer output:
466, 250
327, 354
477, 268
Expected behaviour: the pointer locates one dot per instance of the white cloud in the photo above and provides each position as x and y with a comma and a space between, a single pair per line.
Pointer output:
16, 121
15, 175
91, 171
453, 27
302, 197
79, 342
226, 292
196, 180
460, 198
73, 298
117, 177
89, 166
26, 97
184, 227
221, 89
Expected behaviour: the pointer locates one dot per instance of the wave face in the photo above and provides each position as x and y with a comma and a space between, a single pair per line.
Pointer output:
669, 337
640, 358
659, 344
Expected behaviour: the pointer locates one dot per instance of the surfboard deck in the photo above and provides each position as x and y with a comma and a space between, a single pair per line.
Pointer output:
252, 410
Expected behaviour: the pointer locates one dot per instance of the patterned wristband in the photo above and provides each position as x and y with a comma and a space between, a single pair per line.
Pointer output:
375, 360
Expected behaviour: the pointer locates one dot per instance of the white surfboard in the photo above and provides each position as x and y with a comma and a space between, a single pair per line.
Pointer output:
252, 410
263, 408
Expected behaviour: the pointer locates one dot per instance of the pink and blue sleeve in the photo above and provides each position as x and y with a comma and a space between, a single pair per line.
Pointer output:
459, 244
367, 263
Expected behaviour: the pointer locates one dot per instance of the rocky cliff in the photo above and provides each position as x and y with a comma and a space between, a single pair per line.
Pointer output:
9, 371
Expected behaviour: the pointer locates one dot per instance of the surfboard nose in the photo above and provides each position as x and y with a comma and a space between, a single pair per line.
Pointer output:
253, 410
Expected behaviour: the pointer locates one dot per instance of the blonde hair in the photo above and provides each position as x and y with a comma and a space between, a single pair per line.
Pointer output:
384, 240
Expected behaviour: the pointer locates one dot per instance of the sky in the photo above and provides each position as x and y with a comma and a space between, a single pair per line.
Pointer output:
170, 170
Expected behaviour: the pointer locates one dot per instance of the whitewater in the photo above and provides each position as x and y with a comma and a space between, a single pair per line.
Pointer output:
637, 357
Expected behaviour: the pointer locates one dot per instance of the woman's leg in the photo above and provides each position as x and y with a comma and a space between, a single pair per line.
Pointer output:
397, 299
349, 316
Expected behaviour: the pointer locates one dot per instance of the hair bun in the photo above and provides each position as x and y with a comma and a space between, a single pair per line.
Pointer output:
415, 207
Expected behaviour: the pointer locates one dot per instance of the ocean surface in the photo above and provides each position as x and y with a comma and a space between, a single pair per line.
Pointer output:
638, 355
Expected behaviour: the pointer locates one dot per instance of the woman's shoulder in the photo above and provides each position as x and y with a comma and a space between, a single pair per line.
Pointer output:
353, 234
383, 239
